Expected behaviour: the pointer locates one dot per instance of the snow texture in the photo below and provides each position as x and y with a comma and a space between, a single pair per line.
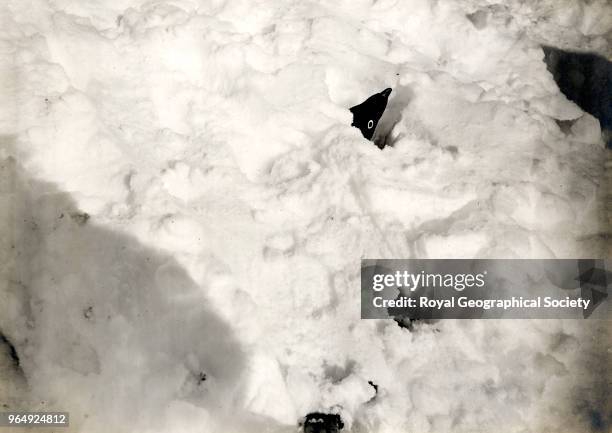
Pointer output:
184, 206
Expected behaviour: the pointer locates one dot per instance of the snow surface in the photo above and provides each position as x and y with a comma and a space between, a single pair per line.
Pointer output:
184, 207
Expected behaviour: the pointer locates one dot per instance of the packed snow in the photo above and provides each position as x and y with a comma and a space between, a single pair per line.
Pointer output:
185, 206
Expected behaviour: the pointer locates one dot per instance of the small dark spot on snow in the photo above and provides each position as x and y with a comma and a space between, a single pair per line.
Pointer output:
373, 385
61, 215
410, 324
404, 323
565, 125
88, 312
11, 350
478, 19
201, 377
80, 218
337, 373
453, 150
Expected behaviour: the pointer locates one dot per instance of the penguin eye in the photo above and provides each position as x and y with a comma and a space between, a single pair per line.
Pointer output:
370, 124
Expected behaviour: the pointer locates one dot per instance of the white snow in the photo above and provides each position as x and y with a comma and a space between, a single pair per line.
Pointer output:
230, 203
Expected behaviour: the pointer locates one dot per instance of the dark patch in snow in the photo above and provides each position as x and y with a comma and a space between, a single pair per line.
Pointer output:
373, 385
367, 114
453, 150
478, 19
585, 79
201, 377
318, 422
404, 323
11, 351
591, 393
410, 324
80, 218
88, 312
337, 373
565, 125
598, 423
598, 419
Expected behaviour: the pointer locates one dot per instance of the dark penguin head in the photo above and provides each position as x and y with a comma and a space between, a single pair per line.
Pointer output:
317, 422
367, 114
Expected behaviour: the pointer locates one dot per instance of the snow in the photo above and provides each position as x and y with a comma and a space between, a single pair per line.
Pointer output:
229, 203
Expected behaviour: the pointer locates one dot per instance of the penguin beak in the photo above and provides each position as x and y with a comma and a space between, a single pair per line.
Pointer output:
386, 92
